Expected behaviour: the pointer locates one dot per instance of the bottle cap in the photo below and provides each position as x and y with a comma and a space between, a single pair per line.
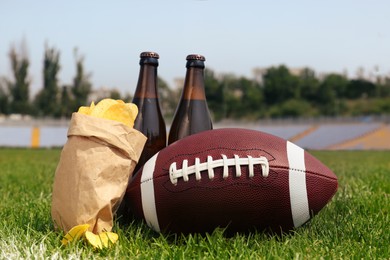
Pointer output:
149, 57
196, 57
195, 60
149, 54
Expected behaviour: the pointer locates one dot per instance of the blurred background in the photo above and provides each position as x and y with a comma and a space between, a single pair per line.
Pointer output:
316, 73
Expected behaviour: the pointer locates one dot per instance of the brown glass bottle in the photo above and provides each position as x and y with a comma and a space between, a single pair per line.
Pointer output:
149, 120
192, 114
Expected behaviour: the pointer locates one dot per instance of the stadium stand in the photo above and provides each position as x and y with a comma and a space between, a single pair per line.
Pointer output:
377, 139
316, 136
282, 131
329, 135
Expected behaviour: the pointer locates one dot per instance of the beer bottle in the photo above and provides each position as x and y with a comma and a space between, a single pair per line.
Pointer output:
192, 114
149, 120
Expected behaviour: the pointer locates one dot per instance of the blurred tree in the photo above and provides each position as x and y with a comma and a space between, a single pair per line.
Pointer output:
46, 100
65, 109
331, 89
82, 86
4, 107
215, 95
308, 85
337, 82
251, 102
278, 94
19, 86
168, 98
358, 88
242, 97
127, 98
327, 99
115, 94
383, 87
231, 95
292, 108
279, 85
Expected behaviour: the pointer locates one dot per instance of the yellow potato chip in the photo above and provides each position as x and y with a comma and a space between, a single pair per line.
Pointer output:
121, 113
101, 107
84, 110
104, 239
75, 233
134, 109
116, 110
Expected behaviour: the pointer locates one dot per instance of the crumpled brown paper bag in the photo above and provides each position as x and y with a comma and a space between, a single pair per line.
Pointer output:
93, 172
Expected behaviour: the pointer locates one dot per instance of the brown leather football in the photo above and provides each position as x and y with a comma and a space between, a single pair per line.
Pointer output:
231, 178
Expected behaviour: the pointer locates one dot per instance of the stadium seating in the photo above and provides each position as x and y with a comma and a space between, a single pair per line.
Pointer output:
350, 136
328, 135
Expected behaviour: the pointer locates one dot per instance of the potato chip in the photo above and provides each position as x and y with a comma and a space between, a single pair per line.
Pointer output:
133, 108
120, 113
84, 110
104, 239
75, 233
116, 110
102, 106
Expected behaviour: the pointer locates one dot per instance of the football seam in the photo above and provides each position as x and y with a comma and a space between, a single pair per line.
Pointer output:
306, 171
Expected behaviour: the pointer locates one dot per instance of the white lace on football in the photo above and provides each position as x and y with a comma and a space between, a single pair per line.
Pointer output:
211, 164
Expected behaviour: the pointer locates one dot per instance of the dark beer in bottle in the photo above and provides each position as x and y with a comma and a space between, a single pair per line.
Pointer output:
192, 114
149, 120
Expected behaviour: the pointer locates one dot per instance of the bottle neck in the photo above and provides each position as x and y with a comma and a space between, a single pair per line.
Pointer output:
147, 82
194, 84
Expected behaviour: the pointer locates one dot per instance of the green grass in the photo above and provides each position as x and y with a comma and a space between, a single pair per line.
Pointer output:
355, 224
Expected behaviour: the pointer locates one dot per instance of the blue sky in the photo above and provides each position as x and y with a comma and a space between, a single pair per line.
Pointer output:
234, 36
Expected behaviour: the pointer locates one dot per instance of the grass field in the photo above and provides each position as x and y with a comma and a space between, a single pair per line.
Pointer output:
354, 225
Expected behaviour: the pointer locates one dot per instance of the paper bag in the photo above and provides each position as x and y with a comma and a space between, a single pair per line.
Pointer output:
93, 172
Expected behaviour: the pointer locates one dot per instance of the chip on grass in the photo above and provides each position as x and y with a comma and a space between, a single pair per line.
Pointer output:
75, 233
102, 240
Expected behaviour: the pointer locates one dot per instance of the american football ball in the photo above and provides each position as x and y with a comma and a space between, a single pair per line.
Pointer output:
236, 179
